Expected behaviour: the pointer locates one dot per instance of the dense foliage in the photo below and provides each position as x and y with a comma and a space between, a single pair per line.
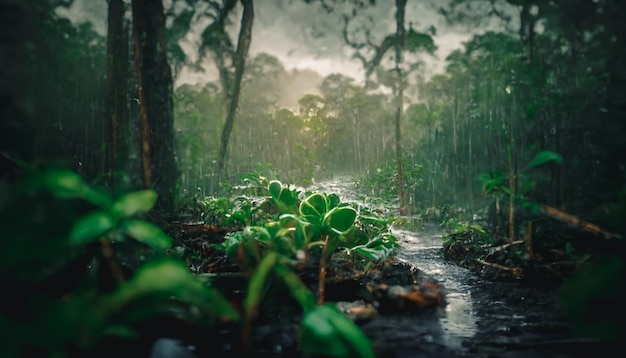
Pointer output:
522, 121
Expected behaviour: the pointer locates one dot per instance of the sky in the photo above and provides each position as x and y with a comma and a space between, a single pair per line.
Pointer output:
304, 37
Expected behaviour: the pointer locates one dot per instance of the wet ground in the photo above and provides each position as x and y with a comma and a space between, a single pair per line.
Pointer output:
480, 319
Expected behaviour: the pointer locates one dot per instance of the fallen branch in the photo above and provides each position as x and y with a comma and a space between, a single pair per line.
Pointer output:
516, 271
574, 221
502, 247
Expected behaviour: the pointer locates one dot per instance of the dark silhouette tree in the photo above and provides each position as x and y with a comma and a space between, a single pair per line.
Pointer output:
243, 45
155, 86
117, 96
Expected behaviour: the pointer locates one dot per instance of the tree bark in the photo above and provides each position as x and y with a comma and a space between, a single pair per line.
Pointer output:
117, 109
154, 76
243, 45
146, 172
399, 47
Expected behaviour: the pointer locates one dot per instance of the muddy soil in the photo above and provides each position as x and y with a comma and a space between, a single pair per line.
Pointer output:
481, 317
477, 318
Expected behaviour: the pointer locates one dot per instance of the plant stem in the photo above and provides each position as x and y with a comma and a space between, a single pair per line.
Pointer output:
322, 278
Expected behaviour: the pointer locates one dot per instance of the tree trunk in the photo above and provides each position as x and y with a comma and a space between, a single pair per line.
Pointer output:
243, 45
155, 82
117, 96
399, 47
146, 172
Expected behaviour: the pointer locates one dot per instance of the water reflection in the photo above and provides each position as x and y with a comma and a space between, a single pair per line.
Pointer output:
457, 318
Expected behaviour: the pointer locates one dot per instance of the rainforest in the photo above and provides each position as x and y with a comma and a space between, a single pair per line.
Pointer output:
312, 178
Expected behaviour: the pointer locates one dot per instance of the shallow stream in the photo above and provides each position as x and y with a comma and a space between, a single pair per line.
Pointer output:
481, 318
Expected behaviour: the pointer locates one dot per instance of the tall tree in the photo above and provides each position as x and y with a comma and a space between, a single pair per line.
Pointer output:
399, 48
117, 72
372, 57
243, 45
154, 77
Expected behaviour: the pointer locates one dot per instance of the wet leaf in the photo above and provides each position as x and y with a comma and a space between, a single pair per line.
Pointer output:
257, 286
298, 290
259, 233
329, 333
288, 196
232, 242
91, 227
290, 220
67, 184
315, 205
147, 233
340, 219
545, 157
275, 188
138, 202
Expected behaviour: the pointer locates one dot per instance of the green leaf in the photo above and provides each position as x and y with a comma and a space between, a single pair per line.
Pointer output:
231, 243
147, 233
138, 202
166, 278
260, 233
298, 290
340, 219
370, 254
275, 187
257, 286
290, 220
91, 227
544, 157
288, 197
315, 205
65, 183
333, 200
326, 332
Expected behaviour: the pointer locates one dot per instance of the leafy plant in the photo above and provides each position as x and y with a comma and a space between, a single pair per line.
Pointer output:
57, 255
496, 183
282, 245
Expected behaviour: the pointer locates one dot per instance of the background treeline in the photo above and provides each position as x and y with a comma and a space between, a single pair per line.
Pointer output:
557, 83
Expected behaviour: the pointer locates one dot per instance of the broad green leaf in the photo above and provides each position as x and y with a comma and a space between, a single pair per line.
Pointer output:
257, 284
290, 220
288, 196
544, 157
65, 183
231, 243
260, 233
298, 290
315, 205
340, 219
275, 187
167, 278
333, 200
326, 332
372, 220
377, 249
134, 203
370, 254
147, 233
157, 276
91, 227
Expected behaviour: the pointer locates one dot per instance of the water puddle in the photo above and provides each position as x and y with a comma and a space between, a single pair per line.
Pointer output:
458, 319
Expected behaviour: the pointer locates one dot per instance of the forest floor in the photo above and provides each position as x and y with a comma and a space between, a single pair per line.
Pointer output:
516, 302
